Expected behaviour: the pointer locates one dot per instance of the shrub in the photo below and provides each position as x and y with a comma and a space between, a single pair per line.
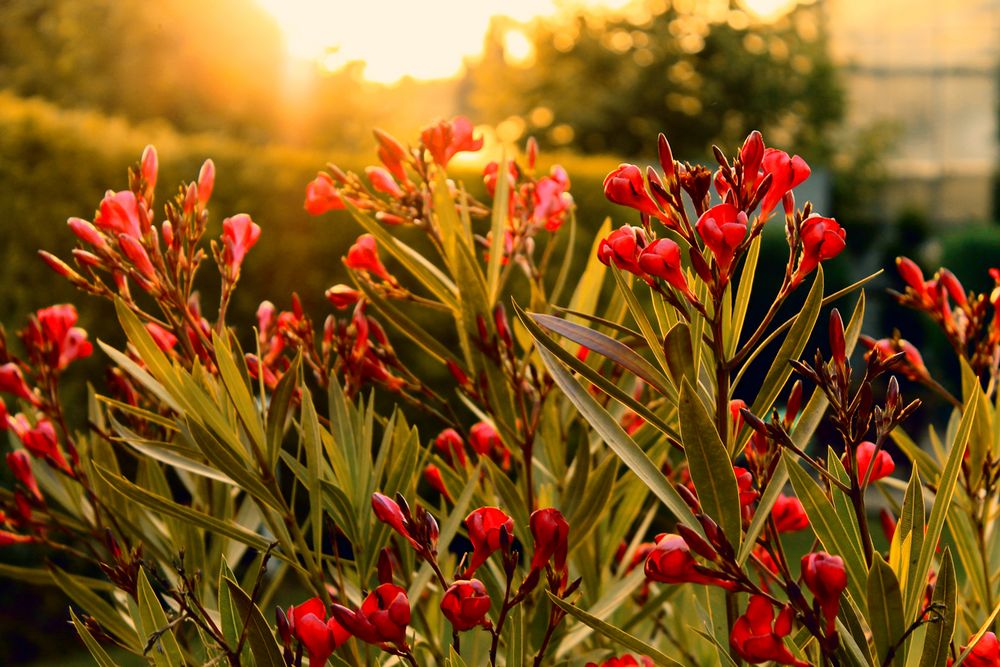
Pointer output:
591, 422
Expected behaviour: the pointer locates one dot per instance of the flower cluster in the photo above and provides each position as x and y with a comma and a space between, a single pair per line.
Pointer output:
757, 177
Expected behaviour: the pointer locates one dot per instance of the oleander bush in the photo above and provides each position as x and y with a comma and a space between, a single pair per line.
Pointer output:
604, 481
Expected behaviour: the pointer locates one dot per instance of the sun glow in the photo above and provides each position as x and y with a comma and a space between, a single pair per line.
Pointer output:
425, 39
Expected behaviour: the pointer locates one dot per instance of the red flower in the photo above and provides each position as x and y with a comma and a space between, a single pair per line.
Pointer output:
322, 196
239, 234
884, 465
484, 526
624, 661
826, 577
52, 333
551, 199
486, 442
12, 382
912, 275
822, 239
447, 138
433, 476
342, 296
986, 652
622, 247
40, 441
786, 173
119, 214
383, 616
388, 512
382, 181
671, 562
625, 186
319, 637
744, 481
450, 444
465, 604
789, 515
758, 637
363, 256
20, 465
662, 259
550, 532
723, 228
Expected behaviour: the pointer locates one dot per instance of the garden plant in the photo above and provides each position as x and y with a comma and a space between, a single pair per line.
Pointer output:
604, 480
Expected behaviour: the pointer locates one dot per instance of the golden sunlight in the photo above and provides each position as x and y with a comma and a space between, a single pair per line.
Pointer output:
398, 38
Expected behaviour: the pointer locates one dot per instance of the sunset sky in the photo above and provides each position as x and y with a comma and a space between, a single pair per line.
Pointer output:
426, 39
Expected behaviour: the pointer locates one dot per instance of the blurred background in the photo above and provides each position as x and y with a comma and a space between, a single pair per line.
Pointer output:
893, 103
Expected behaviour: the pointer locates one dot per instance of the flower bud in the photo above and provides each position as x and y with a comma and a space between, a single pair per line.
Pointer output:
149, 165
382, 181
911, 274
837, 345
723, 228
551, 533
322, 196
136, 254
662, 259
206, 182
388, 512
363, 256
826, 577
342, 296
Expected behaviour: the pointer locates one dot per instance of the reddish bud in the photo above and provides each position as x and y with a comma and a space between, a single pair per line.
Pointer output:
451, 446
86, 232
826, 577
911, 274
837, 345
626, 187
388, 512
382, 181
789, 514
623, 247
666, 157
149, 166
20, 465
12, 382
531, 153
322, 195
206, 182
662, 259
432, 474
342, 296
550, 532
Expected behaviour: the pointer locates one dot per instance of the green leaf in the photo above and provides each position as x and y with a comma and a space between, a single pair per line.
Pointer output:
592, 374
239, 392
262, 644
710, 466
982, 428
278, 408
615, 634
402, 323
828, 527
937, 642
102, 611
791, 348
314, 459
429, 275
588, 288
606, 346
653, 339
619, 441
939, 510
163, 647
586, 515
96, 650
885, 608
743, 296
680, 356
166, 506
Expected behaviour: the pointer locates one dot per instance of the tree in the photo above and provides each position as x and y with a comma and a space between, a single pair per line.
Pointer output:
707, 72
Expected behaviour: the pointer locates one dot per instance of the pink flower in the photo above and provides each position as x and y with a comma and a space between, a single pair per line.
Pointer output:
447, 138
119, 214
322, 196
786, 173
239, 234
363, 256
822, 239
